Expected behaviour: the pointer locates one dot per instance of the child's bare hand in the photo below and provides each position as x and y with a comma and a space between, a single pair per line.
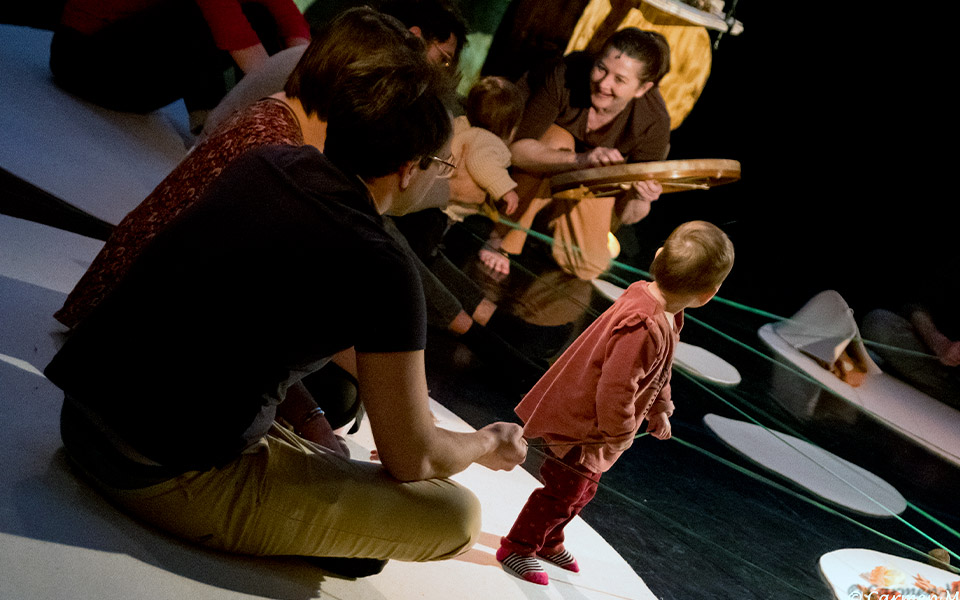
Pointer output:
658, 426
511, 199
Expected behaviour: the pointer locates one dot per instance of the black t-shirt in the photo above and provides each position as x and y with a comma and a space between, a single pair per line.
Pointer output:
281, 264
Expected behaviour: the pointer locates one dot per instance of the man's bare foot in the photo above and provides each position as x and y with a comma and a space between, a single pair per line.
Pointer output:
495, 261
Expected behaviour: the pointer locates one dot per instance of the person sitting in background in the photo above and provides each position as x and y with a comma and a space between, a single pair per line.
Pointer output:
926, 326
437, 22
140, 55
173, 382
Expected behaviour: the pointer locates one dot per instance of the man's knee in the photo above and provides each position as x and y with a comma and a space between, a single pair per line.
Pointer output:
462, 521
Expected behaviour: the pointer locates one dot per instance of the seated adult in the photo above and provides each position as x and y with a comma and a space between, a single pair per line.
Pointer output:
172, 383
589, 112
438, 22
920, 341
139, 55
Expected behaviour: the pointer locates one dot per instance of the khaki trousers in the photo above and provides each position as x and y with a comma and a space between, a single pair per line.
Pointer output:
288, 496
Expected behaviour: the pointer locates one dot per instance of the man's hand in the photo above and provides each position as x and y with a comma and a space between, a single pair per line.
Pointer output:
658, 426
318, 430
511, 449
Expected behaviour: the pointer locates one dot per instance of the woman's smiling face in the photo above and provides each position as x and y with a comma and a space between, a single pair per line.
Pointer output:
615, 81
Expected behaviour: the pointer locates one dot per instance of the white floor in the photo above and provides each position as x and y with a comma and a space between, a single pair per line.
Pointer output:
101, 161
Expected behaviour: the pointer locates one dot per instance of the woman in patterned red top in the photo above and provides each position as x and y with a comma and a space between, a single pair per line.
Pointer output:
294, 117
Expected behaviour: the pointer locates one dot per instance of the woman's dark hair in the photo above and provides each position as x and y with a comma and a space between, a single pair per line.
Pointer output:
357, 34
495, 104
648, 47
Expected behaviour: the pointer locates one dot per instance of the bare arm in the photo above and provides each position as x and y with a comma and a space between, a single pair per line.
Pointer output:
536, 156
250, 58
411, 447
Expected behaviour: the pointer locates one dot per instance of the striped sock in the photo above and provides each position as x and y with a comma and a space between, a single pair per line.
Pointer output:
562, 559
525, 567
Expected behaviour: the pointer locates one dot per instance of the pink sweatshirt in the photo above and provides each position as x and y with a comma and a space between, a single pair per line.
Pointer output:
605, 384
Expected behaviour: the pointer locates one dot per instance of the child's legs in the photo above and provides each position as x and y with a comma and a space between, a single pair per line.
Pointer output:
567, 489
553, 542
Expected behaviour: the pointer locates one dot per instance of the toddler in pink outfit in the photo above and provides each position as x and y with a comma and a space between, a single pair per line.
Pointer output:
591, 403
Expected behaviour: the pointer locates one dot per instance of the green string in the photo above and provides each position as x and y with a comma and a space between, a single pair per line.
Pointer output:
792, 369
719, 299
934, 519
828, 509
841, 479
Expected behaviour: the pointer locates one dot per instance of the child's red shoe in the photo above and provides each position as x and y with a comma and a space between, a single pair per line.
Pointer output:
562, 559
525, 567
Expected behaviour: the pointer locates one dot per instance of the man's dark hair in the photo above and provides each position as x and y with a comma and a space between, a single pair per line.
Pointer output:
357, 34
648, 47
437, 19
496, 105
384, 114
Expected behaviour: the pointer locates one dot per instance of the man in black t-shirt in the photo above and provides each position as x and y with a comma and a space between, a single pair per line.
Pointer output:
173, 382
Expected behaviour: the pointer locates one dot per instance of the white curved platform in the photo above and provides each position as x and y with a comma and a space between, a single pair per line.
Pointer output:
848, 569
884, 398
44, 256
704, 364
608, 290
813, 468
100, 161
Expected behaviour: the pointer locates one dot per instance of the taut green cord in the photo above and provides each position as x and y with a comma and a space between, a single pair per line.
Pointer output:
830, 510
845, 482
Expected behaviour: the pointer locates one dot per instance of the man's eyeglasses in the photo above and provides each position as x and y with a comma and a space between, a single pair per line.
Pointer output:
446, 168
447, 58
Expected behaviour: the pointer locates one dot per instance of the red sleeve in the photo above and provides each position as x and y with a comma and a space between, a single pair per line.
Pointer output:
289, 20
629, 352
231, 30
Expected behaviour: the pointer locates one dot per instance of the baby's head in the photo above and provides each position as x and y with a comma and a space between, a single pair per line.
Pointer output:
694, 260
495, 104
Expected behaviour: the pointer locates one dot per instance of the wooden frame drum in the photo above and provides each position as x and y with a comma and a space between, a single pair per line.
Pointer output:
674, 175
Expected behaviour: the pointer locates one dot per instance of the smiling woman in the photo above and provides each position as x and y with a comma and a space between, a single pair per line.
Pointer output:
627, 69
588, 112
